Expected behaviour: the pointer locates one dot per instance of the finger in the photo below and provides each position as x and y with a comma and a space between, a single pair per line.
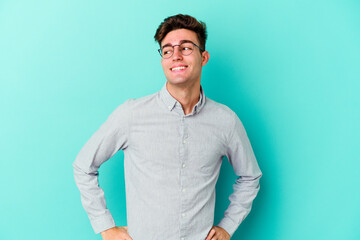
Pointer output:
217, 235
211, 234
127, 235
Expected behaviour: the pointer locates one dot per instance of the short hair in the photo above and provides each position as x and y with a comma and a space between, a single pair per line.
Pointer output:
182, 21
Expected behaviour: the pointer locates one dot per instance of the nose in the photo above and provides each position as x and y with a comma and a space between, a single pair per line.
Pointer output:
177, 54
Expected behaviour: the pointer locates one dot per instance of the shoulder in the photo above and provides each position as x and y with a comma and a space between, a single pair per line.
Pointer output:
134, 103
221, 110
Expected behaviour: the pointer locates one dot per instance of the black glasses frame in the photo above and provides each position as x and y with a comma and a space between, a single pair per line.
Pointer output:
159, 50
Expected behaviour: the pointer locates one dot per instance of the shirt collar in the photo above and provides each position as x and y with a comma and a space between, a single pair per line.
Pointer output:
171, 102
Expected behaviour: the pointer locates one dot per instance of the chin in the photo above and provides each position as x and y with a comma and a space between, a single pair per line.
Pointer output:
176, 80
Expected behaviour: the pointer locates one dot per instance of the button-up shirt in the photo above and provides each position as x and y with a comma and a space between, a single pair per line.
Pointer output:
172, 163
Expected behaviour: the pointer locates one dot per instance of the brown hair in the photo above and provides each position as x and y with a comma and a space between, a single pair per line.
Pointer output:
182, 21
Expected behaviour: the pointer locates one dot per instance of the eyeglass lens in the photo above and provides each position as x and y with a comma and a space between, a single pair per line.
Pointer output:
184, 48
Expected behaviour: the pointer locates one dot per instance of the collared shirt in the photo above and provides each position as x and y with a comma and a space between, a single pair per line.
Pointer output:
172, 163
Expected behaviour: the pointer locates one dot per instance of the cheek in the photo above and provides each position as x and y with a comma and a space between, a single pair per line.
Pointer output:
164, 65
197, 64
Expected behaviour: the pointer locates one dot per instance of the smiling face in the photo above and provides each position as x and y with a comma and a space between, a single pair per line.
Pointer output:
182, 70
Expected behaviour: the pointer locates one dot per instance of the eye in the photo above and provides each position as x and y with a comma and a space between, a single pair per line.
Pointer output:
186, 47
167, 51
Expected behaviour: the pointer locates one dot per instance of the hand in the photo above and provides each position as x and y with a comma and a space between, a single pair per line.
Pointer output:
116, 233
217, 233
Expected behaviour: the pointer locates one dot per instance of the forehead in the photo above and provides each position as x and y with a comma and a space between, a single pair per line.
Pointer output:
175, 36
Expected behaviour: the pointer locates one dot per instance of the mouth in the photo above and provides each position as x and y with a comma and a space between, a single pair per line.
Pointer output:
178, 68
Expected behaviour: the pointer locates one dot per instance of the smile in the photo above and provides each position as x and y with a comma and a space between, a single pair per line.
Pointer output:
178, 68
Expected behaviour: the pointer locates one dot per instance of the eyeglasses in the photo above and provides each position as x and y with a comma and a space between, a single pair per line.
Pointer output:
185, 48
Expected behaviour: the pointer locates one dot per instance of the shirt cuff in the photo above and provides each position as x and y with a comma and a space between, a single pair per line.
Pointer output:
229, 225
102, 223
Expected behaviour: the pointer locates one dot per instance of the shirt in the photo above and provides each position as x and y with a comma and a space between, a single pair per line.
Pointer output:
171, 163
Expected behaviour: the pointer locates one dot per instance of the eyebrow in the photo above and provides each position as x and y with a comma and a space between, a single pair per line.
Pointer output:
181, 41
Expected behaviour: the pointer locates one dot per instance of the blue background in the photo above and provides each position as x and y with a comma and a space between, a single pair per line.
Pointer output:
289, 69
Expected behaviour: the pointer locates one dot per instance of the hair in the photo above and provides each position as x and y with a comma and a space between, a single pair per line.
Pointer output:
181, 21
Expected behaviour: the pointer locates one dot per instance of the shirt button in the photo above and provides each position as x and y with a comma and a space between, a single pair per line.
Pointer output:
183, 190
169, 107
183, 214
182, 238
184, 141
184, 165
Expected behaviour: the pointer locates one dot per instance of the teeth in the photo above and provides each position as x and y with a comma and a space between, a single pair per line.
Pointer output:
178, 68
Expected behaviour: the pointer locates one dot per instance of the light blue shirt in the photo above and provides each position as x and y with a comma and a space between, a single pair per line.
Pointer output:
172, 163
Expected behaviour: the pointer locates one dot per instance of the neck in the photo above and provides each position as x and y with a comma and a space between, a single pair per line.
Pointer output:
188, 96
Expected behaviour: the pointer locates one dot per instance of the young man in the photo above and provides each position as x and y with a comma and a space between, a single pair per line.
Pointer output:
173, 141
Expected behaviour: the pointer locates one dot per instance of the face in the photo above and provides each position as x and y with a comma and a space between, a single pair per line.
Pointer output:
182, 70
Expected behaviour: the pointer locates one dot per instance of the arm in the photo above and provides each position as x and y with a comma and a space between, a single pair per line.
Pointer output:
106, 141
241, 157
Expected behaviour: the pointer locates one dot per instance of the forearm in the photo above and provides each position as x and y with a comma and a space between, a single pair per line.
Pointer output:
245, 191
93, 199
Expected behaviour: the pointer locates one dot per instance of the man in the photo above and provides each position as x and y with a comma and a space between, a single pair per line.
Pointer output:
173, 141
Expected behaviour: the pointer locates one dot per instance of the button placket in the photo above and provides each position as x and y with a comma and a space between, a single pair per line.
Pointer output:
183, 172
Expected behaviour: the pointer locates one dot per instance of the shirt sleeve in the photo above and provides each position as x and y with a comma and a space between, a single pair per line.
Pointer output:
111, 137
241, 156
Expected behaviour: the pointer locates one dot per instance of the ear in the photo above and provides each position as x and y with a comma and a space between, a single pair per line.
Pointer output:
205, 58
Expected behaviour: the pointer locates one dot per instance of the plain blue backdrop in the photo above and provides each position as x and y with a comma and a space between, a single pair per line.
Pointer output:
289, 69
